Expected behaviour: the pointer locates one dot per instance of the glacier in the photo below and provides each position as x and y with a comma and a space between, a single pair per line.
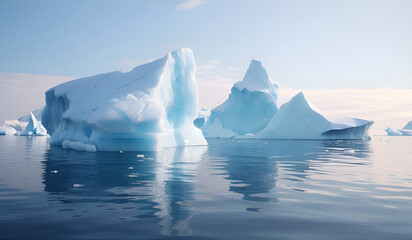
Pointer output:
405, 131
249, 107
299, 119
151, 107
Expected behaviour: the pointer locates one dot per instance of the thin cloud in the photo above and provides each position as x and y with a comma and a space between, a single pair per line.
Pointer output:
189, 4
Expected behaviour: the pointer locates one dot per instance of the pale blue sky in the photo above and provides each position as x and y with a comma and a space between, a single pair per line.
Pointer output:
303, 44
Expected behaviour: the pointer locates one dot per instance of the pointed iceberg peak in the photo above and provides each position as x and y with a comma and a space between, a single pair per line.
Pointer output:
251, 104
34, 127
257, 79
32, 123
300, 96
300, 101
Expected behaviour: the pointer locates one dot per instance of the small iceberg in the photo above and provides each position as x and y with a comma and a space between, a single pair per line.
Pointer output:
33, 128
405, 131
299, 119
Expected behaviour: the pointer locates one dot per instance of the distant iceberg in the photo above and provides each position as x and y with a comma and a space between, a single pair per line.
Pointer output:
33, 128
405, 131
249, 108
251, 111
150, 107
18, 126
6, 129
299, 119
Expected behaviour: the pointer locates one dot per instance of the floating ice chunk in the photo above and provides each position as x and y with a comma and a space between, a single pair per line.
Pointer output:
299, 119
140, 155
249, 108
150, 107
349, 151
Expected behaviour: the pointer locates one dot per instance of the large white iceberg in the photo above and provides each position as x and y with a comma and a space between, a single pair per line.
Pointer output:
33, 127
405, 131
150, 107
250, 106
299, 119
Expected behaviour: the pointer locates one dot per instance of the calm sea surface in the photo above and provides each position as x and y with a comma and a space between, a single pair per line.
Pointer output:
231, 189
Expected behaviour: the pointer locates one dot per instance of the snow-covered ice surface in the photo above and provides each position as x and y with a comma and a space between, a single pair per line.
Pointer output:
250, 106
299, 119
33, 127
150, 107
405, 131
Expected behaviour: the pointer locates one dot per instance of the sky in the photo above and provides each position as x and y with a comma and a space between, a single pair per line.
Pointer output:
335, 51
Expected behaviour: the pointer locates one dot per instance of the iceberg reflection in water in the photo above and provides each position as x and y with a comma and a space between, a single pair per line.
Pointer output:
243, 189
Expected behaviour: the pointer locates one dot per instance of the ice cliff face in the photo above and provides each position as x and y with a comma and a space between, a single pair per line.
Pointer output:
405, 131
299, 119
250, 106
150, 107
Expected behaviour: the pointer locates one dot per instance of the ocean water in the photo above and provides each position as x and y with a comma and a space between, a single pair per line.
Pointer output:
231, 189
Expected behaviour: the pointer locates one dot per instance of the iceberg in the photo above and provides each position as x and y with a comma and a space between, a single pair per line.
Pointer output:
405, 131
393, 132
6, 129
151, 107
249, 108
16, 124
299, 119
33, 128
